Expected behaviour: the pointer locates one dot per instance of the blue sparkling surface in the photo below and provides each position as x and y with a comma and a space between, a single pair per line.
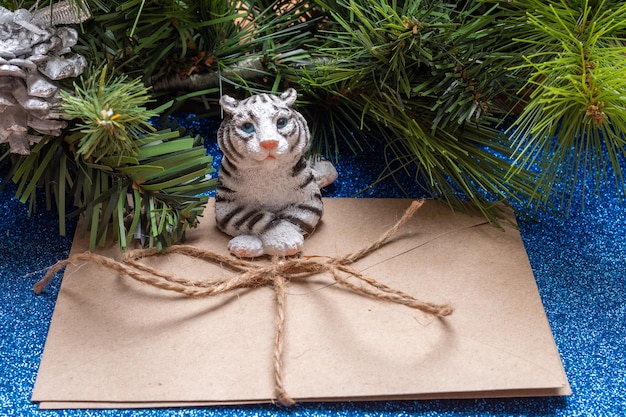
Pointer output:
579, 264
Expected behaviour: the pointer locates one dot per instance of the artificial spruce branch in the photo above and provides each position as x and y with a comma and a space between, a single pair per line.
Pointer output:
127, 180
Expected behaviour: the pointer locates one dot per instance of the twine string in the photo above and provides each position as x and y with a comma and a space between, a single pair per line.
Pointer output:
251, 275
280, 286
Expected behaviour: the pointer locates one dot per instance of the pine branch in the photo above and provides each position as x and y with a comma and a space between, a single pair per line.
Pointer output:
127, 180
112, 114
430, 78
418, 76
572, 129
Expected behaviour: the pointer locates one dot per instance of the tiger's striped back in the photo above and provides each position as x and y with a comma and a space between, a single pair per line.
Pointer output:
268, 194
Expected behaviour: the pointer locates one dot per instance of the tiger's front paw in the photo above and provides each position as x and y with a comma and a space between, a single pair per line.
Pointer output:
284, 239
246, 246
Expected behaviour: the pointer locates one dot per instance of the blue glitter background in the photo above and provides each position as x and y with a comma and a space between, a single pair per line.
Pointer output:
579, 264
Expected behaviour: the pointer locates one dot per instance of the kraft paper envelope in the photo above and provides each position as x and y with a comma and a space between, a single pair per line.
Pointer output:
114, 342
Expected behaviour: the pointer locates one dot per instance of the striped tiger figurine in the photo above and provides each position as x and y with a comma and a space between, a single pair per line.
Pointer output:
268, 193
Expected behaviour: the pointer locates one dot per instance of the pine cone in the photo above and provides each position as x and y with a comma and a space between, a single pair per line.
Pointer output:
32, 57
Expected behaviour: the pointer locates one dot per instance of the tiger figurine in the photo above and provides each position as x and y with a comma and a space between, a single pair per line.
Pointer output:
268, 193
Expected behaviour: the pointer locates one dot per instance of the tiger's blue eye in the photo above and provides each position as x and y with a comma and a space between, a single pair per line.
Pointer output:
247, 127
281, 122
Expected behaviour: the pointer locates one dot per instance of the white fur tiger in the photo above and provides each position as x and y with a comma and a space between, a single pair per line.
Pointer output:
268, 194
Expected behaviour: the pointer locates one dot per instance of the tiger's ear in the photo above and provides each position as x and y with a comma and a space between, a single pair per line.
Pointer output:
228, 103
289, 96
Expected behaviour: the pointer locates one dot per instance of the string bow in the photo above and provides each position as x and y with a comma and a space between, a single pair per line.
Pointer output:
250, 274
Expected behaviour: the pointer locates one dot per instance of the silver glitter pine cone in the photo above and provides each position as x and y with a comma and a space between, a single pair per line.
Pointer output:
33, 54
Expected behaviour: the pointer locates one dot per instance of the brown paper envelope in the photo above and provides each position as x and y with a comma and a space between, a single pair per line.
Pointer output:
114, 342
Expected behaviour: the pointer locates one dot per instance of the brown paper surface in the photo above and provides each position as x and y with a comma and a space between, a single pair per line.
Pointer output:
114, 342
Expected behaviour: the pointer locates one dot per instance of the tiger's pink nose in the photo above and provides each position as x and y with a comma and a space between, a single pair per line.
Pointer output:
269, 144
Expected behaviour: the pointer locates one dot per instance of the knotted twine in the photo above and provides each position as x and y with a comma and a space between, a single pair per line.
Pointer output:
252, 275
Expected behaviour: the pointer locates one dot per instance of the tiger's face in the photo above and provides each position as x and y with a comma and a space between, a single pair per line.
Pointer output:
263, 128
